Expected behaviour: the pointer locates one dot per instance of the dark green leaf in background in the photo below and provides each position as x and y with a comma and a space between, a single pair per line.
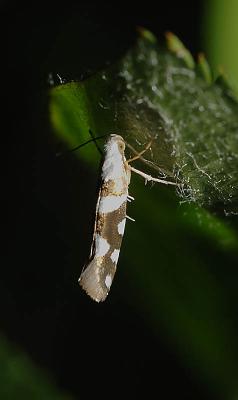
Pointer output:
21, 379
221, 32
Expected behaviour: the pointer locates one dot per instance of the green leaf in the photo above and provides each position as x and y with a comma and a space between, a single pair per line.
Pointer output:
204, 68
152, 92
177, 47
20, 379
220, 20
174, 256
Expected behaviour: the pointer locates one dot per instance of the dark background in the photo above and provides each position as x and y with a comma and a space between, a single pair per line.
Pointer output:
84, 347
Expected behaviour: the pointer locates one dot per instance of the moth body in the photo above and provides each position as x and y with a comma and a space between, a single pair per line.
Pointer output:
110, 221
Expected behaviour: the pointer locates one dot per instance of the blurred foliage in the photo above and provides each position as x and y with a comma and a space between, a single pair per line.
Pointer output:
221, 37
180, 260
20, 379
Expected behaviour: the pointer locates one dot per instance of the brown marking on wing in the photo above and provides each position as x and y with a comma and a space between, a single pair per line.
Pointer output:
109, 227
93, 279
108, 188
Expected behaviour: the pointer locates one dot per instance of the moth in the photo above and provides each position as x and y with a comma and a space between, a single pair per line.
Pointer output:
97, 276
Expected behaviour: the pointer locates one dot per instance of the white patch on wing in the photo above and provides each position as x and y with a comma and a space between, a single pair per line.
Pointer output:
111, 203
121, 226
113, 166
102, 246
108, 281
113, 169
115, 255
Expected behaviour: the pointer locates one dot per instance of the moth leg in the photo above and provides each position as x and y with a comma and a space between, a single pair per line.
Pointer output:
129, 198
149, 178
132, 219
140, 153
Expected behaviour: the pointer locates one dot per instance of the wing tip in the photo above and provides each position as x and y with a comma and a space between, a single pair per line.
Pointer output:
90, 283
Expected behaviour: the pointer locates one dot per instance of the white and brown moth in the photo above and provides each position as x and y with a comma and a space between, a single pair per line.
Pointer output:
110, 220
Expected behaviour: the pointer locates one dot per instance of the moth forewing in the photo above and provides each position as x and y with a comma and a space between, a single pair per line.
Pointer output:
110, 221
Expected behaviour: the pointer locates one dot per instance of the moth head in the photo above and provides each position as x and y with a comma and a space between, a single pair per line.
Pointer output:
118, 141
121, 145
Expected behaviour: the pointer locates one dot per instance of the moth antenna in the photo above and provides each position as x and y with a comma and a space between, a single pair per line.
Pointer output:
96, 144
60, 154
